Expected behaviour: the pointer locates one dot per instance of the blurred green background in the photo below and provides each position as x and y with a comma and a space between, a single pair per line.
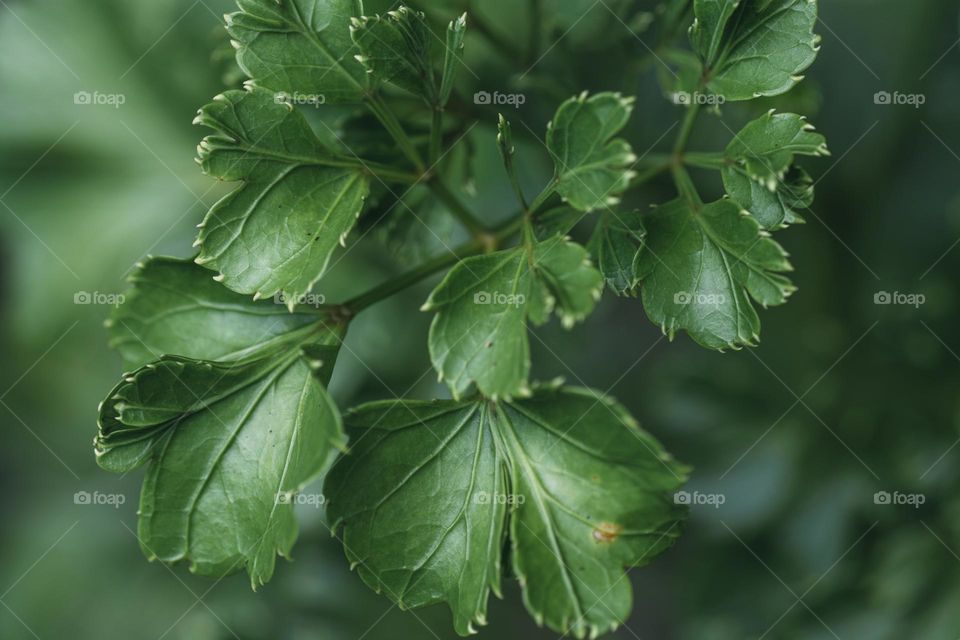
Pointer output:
844, 398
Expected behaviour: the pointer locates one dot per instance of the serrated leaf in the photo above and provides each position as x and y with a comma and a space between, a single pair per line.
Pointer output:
395, 48
479, 334
765, 148
766, 44
772, 209
176, 308
759, 174
710, 22
431, 489
592, 167
277, 231
701, 268
226, 443
615, 246
299, 46
572, 284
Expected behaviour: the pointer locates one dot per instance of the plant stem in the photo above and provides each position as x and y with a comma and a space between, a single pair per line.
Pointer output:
427, 269
686, 128
387, 174
686, 187
705, 160
436, 135
542, 198
652, 171
385, 115
457, 208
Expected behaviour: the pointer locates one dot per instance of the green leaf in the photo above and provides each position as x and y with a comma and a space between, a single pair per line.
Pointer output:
558, 221
277, 231
710, 22
772, 209
759, 174
700, 269
299, 46
453, 56
227, 443
430, 491
479, 334
592, 168
765, 45
765, 148
615, 246
175, 308
395, 48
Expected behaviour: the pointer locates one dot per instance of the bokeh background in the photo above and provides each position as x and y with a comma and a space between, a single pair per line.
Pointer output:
843, 399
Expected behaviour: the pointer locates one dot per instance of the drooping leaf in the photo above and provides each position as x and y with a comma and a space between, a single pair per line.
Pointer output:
299, 46
701, 268
772, 209
615, 246
571, 284
592, 167
175, 308
395, 48
479, 334
226, 443
765, 45
431, 489
765, 148
759, 174
277, 231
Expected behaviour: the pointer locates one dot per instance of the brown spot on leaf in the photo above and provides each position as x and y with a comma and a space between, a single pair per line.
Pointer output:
607, 532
